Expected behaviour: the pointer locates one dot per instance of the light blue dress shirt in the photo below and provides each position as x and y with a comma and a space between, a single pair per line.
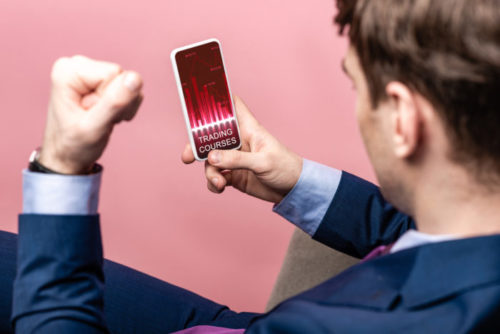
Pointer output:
60, 194
305, 205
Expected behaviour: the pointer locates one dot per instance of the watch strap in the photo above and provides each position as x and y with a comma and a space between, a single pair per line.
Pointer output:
35, 166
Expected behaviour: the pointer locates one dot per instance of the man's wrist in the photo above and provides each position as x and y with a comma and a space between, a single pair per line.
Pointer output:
42, 162
295, 164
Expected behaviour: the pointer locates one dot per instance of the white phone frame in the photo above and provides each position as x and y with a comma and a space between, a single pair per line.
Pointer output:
183, 100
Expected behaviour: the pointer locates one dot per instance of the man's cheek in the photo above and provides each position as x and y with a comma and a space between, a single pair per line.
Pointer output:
361, 117
368, 131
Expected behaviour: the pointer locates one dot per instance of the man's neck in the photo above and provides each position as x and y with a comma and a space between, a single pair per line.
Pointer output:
453, 202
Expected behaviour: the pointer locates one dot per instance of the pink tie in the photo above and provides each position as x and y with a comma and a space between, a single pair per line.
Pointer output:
379, 251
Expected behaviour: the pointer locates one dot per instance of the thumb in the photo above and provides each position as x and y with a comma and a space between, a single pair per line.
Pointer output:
233, 159
120, 93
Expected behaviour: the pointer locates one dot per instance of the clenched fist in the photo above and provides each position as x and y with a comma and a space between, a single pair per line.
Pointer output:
88, 98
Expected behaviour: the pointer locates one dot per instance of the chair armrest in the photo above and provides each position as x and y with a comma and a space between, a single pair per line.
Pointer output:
307, 263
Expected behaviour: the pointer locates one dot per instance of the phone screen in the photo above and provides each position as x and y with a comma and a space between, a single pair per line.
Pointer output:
206, 95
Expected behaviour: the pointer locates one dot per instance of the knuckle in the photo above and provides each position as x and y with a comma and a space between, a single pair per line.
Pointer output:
266, 162
111, 68
60, 68
207, 172
79, 58
115, 68
62, 61
211, 173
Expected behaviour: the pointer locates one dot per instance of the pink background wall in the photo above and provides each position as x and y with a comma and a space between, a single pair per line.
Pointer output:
282, 59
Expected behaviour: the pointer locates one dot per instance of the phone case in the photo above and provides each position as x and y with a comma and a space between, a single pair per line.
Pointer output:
206, 98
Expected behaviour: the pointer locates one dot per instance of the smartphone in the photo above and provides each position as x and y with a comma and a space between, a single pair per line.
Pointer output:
206, 98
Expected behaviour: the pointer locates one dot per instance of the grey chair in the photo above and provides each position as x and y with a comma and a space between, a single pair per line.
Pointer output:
307, 263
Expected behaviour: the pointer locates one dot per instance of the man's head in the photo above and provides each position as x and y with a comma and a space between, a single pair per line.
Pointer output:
428, 79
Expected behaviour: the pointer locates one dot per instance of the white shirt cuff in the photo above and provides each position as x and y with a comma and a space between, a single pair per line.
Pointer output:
60, 194
306, 204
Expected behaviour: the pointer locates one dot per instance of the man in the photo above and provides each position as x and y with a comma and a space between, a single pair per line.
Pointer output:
426, 74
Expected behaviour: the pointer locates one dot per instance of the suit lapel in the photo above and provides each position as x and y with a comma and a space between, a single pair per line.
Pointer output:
447, 268
373, 284
413, 277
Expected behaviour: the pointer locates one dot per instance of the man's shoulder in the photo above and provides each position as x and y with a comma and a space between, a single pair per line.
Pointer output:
423, 275
436, 285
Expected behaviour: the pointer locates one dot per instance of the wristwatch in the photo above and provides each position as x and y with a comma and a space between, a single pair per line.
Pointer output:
35, 166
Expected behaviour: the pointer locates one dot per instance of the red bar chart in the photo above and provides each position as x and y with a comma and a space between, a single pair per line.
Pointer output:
207, 98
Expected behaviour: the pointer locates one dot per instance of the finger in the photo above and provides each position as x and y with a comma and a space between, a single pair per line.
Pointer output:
131, 111
187, 156
89, 100
120, 94
214, 176
233, 159
245, 117
83, 74
213, 189
228, 175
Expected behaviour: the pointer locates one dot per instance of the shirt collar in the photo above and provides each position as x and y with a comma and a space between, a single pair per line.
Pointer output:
413, 238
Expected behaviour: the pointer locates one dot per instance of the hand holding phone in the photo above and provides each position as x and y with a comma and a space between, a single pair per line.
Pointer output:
263, 168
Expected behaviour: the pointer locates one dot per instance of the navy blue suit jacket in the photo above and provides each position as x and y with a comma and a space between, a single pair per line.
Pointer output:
446, 287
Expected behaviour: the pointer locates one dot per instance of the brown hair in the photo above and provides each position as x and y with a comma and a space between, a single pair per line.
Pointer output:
446, 50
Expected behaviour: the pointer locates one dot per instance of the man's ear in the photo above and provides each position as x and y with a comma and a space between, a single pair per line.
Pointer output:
405, 119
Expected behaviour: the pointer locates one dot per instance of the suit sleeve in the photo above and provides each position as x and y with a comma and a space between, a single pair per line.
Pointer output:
294, 318
59, 280
360, 219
